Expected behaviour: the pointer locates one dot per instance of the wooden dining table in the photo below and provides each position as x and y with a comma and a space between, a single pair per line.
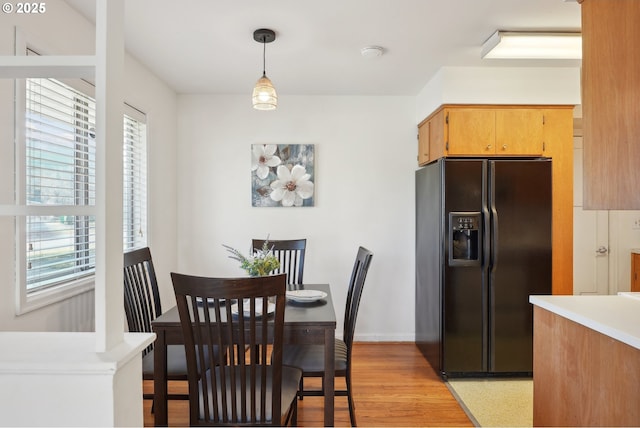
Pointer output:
304, 323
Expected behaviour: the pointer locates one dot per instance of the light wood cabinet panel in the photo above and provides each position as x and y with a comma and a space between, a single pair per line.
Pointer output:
431, 139
582, 377
424, 131
635, 271
471, 131
558, 145
437, 139
610, 107
519, 132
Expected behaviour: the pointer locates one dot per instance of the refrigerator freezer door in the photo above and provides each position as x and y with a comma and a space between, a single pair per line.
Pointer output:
520, 195
464, 294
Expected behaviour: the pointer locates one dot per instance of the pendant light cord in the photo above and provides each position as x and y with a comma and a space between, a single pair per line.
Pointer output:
264, 55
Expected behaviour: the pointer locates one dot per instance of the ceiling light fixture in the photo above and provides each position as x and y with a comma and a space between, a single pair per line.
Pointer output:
264, 94
533, 45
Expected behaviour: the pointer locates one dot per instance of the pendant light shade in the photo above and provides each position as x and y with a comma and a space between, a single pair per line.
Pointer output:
264, 94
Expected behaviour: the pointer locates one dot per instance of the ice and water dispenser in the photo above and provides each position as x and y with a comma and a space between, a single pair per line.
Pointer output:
464, 238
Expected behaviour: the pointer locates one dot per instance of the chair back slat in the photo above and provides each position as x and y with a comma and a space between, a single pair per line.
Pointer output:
290, 253
356, 285
244, 317
141, 295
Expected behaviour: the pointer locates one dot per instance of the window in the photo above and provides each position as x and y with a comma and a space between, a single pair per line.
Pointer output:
57, 235
60, 171
135, 182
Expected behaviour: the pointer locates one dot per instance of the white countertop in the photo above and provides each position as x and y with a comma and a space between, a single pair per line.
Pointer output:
616, 316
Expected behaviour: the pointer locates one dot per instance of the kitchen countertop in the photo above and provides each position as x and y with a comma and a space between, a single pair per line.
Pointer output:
616, 316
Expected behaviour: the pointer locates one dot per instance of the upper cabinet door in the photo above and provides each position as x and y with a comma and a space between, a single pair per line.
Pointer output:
472, 131
519, 131
610, 106
431, 138
424, 136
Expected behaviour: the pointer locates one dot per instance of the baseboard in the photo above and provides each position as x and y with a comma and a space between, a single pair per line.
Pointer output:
410, 337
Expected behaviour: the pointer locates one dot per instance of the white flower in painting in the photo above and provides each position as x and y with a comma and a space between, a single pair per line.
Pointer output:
292, 187
262, 158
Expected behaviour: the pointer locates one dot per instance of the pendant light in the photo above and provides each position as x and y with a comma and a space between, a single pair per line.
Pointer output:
264, 94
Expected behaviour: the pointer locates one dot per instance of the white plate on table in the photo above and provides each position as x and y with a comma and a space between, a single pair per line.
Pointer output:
271, 308
306, 295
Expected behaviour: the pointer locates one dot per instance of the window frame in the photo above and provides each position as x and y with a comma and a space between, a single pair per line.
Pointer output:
27, 301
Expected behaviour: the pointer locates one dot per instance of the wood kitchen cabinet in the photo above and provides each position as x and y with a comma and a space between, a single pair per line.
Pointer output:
582, 376
430, 136
495, 132
470, 131
610, 107
482, 131
635, 270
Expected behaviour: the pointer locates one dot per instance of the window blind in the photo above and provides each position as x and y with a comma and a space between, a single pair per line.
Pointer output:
60, 171
134, 202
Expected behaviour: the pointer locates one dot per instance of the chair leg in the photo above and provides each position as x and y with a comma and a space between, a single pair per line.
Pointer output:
352, 405
301, 389
294, 418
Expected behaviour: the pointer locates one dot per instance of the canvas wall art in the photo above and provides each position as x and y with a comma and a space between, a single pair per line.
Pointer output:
282, 175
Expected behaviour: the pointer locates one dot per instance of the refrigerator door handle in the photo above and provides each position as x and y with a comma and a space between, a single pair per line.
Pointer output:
494, 236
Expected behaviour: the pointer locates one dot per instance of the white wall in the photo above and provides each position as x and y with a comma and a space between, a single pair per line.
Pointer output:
499, 85
365, 161
61, 30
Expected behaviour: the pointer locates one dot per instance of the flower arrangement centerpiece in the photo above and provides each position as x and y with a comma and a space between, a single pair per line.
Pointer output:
261, 263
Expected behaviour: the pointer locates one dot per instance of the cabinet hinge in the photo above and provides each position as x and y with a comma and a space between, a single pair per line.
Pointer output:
544, 146
543, 119
446, 146
446, 119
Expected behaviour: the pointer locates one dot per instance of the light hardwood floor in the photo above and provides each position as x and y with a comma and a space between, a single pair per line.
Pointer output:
393, 385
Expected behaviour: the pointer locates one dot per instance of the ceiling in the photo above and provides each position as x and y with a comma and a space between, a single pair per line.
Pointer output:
207, 46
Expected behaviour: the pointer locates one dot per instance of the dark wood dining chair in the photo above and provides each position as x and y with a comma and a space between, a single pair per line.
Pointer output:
310, 358
245, 317
290, 254
141, 306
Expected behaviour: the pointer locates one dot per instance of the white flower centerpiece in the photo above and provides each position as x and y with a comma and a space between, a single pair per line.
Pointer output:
261, 263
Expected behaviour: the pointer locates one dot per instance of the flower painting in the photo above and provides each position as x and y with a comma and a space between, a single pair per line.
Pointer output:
282, 175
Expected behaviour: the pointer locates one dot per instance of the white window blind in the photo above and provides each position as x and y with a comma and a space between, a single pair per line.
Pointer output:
60, 172
135, 183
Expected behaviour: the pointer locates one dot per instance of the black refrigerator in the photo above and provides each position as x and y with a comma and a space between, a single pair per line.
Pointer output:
483, 245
